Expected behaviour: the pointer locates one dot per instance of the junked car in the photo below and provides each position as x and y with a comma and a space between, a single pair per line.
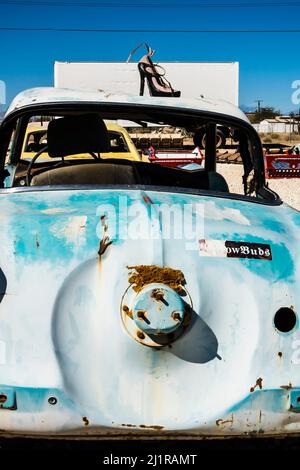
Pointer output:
137, 299
121, 145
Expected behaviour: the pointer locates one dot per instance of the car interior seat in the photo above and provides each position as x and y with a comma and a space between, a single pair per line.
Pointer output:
86, 134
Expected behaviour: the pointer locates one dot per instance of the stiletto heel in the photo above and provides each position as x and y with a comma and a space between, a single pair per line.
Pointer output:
158, 85
142, 77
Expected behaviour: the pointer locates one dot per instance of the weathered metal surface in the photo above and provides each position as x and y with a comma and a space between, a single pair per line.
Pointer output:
40, 96
156, 313
142, 276
158, 310
68, 364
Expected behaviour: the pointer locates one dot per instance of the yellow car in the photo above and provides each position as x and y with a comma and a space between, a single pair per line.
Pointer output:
122, 146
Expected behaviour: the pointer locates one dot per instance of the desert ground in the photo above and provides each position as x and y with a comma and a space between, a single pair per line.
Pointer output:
288, 189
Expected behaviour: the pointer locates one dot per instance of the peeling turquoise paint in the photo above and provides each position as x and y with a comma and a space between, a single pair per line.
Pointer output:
275, 401
58, 287
35, 400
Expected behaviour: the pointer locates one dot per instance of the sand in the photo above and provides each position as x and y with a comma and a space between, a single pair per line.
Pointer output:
288, 189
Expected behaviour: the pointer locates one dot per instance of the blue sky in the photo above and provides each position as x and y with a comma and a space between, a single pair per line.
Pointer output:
269, 63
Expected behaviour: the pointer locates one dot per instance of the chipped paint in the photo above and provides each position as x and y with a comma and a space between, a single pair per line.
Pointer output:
46, 95
221, 350
105, 241
287, 387
85, 421
56, 210
71, 231
222, 422
144, 426
66, 305
258, 384
75, 309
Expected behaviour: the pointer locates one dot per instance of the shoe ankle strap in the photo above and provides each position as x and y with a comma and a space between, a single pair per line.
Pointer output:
149, 50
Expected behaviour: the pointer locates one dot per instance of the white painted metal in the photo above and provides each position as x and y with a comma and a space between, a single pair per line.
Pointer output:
42, 96
219, 80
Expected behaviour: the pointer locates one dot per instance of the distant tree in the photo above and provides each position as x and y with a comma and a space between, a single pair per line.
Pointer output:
265, 113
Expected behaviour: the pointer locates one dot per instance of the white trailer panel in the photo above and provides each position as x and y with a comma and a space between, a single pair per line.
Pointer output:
218, 80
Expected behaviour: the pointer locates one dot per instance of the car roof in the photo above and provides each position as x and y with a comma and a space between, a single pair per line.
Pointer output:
51, 95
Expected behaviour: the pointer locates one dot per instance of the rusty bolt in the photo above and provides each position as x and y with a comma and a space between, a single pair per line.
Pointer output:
176, 316
140, 313
158, 294
140, 335
127, 311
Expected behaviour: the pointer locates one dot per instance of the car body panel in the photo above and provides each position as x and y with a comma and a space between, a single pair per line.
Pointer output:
77, 261
224, 376
47, 95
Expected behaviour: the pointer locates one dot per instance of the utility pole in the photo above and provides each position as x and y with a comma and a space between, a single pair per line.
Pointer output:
292, 115
259, 107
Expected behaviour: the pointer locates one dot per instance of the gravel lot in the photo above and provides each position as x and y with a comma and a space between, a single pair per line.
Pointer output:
288, 189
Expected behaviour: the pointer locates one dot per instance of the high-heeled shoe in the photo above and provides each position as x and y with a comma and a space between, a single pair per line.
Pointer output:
158, 85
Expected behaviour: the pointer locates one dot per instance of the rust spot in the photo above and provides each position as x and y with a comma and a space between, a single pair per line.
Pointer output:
142, 315
103, 223
176, 316
143, 426
280, 354
157, 295
147, 199
258, 384
85, 420
127, 311
104, 244
220, 422
143, 275
140, 335
287, 387
3, 398
155, 427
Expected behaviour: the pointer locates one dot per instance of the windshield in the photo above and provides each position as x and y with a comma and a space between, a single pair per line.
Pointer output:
181, 150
